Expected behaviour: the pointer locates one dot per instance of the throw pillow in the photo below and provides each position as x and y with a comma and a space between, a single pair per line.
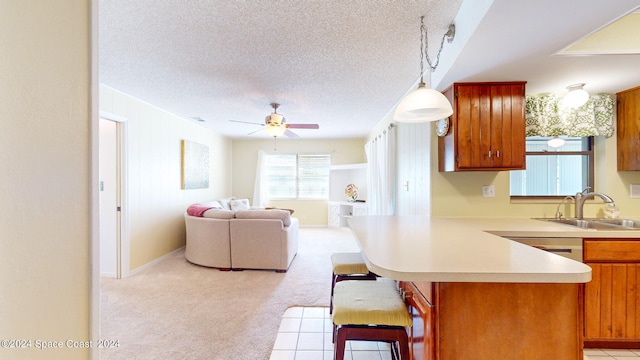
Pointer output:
239, 204
225, 203
214, 204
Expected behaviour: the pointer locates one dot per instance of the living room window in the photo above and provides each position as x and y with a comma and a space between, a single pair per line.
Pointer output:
300, 177
554, 171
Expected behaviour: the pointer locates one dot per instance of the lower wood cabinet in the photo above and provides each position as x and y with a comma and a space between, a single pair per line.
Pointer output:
488, 321
612, 298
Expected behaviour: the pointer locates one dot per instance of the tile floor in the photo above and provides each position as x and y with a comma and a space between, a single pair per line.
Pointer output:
305, 334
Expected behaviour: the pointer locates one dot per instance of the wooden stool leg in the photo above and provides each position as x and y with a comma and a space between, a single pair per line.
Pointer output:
404, 345
333, 284
396, 336
340, 342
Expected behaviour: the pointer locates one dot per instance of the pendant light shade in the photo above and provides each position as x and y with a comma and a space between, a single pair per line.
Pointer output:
423, 105
556, 142
576, 97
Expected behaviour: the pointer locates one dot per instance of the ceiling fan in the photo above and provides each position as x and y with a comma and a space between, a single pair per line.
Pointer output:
275, 125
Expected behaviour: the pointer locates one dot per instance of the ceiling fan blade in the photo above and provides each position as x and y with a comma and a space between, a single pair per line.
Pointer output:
246, 122
253, 132
291, 134
303, 126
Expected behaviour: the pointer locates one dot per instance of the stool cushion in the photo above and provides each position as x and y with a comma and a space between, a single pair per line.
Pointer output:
369, 303
348, 263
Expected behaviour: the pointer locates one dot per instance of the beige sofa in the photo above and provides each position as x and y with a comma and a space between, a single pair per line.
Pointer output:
242, 239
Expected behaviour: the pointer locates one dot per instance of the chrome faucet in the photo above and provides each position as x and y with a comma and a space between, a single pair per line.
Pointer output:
581, 197
558, 212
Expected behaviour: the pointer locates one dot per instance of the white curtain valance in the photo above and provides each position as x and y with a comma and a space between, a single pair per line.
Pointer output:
547, 117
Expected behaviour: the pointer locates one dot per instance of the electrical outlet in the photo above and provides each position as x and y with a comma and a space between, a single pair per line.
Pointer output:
634, 191
488, 191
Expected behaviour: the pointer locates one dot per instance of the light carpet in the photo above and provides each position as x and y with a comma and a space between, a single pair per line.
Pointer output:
177, 310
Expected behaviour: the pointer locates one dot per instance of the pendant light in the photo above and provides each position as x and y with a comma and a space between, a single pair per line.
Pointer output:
424, 104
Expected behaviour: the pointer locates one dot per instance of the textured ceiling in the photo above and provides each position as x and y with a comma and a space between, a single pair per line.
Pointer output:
341, 64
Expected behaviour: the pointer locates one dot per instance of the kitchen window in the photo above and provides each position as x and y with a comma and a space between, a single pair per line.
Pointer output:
297, 177
554, 172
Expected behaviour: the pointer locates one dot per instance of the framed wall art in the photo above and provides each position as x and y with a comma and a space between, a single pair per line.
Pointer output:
195, 165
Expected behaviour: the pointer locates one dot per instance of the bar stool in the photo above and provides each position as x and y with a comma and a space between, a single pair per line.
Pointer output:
370, 311
348, 266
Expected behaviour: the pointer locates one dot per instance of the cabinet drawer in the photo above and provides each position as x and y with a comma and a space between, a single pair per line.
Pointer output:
619, 250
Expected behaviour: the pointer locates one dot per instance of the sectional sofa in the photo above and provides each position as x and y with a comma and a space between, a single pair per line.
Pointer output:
228, 237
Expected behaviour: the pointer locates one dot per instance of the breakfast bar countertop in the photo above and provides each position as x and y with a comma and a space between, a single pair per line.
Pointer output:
419, 248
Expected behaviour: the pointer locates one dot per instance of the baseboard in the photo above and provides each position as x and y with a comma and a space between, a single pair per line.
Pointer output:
151, 263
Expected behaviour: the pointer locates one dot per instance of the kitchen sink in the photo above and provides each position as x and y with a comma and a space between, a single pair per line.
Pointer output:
598, 224
626, 223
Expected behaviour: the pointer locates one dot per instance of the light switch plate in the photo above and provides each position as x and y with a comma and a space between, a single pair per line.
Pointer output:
634, 191
488, 191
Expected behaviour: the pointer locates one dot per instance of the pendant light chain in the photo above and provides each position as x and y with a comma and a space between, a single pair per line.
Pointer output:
423, 31
424, 48
424, 104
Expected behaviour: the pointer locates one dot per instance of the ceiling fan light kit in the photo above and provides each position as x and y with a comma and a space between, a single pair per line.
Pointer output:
423, 104
274, 119
275, 124
275, 130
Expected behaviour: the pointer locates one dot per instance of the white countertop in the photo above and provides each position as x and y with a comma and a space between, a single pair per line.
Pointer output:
413, 248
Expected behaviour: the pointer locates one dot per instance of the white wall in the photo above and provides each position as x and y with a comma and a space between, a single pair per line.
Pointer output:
156, 200
46, 169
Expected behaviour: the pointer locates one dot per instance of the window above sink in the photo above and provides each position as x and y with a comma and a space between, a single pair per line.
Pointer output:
554, 172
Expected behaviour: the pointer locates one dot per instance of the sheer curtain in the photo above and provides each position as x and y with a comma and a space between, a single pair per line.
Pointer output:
381, 172
259, 192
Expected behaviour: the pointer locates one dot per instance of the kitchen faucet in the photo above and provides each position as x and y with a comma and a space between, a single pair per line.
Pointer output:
581, 197
558, 212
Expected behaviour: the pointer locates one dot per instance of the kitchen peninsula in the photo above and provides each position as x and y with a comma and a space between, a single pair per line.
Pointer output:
475, 295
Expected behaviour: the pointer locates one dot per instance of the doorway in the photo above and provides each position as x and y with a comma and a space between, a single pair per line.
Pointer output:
114, 244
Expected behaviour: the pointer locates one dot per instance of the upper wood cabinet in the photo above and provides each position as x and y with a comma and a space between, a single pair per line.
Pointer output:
628, 113
487, 128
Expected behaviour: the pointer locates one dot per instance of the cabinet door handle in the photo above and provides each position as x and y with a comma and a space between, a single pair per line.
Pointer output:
498, 153
489, 154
